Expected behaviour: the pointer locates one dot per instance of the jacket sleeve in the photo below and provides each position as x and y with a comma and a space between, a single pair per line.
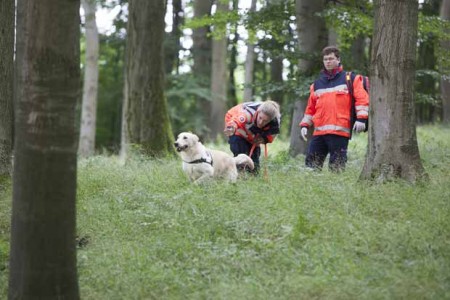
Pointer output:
237, 117
361, 98
310, 109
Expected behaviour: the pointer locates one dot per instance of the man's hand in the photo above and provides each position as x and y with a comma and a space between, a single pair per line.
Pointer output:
304, 132
229, 130
359, 127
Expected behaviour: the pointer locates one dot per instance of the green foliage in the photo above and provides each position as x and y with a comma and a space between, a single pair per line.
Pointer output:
145, 232
350, 21
219, 21
182, 95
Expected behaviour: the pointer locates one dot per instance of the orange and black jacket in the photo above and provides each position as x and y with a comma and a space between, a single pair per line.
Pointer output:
243, 118
329, 104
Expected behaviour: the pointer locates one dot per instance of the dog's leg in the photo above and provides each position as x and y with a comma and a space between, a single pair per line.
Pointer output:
202, 179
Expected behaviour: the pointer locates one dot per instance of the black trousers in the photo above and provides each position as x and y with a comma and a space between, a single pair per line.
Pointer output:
240, 145
322, 145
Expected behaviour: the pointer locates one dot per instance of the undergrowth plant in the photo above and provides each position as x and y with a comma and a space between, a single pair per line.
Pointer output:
145, 232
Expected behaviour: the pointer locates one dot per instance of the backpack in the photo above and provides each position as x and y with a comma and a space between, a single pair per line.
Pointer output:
349, 77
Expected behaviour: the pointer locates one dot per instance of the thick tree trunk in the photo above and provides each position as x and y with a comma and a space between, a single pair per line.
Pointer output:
218, 82
6, 85
249, 62
90, 84
201, 51
445, 80
312, 37
146, 112
43, 254
393, 151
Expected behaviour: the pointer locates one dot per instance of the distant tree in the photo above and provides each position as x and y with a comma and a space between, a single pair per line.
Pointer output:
86, 145
43, 255
250, 60
201, 51
6, 85
218, 77
445, 80
392, 150
145, 113
312, 37
172, 43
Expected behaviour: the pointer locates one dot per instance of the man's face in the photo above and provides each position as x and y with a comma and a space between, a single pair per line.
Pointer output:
262, 120
330, 61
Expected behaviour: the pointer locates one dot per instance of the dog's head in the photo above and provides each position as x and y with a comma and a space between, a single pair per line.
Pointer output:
185, 140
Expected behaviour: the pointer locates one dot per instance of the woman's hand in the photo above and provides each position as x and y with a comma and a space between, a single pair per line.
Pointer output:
229, 130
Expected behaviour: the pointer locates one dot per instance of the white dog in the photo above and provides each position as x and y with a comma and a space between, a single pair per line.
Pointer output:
201, 164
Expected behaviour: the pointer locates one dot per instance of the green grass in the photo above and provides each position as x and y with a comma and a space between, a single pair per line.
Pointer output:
150, 234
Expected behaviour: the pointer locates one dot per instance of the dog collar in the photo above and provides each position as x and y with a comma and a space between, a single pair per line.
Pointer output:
207, 160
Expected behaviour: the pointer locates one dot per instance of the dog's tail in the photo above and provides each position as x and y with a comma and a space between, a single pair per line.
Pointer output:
244, 160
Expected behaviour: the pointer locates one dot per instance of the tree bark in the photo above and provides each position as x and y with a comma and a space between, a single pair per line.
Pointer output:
201, 51
146, 112
173, 44
392, 149
43, 254
445, 80
218, 81
249, 62
7, 11
312, 36
90, 84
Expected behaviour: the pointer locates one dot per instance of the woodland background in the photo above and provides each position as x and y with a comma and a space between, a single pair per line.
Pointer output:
262, 56
166, 67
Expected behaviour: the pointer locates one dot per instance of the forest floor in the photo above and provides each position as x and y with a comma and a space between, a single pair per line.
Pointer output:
145, 232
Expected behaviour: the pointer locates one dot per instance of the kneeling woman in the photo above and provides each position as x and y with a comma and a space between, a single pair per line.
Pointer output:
250, 124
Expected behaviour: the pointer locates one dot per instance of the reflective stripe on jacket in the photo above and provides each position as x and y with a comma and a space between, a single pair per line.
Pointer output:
243, 118
329, 104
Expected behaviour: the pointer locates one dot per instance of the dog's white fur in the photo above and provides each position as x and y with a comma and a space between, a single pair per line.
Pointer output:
223, 165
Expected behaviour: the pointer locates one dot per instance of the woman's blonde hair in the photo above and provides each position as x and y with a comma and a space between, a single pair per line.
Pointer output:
270, 108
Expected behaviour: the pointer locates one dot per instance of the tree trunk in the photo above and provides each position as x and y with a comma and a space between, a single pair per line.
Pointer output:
201, 51
276, 76
90, 84
146, 111
6, 85
249, 62
218, 81
393, 151
445, 80
312, 38
43, 254
172, 44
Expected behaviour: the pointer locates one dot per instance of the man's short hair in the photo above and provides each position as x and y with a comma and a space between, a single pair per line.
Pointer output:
330, 49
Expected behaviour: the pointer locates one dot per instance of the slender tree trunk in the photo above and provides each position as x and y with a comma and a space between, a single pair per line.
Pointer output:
445, 80
232, 96
201, 51
146, 111
276, 76
249, 62
393, 151
43, 254
218, 81
312, 37
172, 43
7, 11
90, 84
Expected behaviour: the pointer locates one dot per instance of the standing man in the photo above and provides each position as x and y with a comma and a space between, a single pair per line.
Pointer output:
250, 124
329, 109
